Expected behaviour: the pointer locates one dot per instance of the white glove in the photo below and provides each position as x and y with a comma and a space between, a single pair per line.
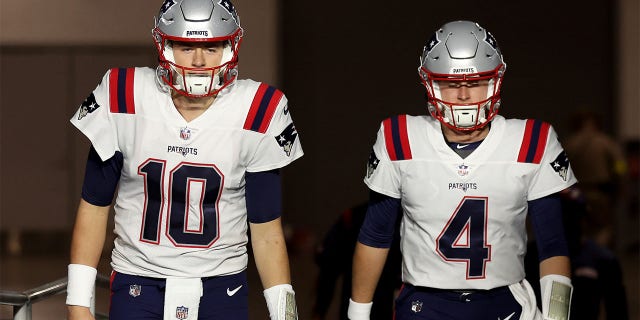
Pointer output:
281, 302
359, 311
556, 293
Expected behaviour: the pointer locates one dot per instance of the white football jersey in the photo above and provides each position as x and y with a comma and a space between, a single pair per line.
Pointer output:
464, 219
180, 207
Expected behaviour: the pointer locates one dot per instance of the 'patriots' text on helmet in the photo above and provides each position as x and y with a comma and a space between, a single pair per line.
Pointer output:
462, 51
197, 21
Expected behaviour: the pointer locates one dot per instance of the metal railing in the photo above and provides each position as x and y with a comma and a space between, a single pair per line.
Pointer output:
22, 302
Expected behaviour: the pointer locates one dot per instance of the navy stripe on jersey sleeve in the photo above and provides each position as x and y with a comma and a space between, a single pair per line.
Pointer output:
263, 195
546, 219
380, 221
101, 178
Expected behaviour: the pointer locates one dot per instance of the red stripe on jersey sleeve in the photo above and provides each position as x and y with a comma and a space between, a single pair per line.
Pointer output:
271, 109
404, 136
131, 106
113, 90
255, 105
388, 139
542, 142
526, 141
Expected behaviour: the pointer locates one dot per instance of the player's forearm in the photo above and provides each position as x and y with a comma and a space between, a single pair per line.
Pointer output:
270, 253
368, 263
556, 265
89, 234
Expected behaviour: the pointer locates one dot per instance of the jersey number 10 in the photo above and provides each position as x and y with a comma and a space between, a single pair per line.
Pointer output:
188, 183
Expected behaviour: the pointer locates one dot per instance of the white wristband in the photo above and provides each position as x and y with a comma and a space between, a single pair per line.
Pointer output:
359, 311
555, 293
281, 302
80, 285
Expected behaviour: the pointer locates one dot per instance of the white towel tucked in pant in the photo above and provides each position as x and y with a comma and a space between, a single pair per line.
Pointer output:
523, 293
182, 298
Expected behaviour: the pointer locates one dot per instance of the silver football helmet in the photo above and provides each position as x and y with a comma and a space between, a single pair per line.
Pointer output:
462, 51
197, 21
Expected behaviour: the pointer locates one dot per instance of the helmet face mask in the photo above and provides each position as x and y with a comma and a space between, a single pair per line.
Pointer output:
198, 22
462, 52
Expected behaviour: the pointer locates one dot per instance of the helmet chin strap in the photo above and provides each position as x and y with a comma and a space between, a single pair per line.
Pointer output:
198, 84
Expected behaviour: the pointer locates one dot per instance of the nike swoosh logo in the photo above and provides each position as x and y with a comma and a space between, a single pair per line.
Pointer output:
458, 146
232, 292
509, 317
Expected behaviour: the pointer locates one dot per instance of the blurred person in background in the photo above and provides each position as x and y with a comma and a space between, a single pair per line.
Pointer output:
334, 257
597, 276
599, 163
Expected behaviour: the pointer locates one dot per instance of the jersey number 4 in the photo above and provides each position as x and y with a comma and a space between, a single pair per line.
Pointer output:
464, 238
194, 191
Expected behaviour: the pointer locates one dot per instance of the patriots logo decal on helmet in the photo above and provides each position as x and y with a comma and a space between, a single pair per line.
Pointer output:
89, 105
229, 7
167, 5
491, 40
561, 165
287, 138
432, 43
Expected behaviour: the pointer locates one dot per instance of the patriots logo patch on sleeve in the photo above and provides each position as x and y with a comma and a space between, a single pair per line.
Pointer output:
88, 106
372, 163
287, 138
561, 165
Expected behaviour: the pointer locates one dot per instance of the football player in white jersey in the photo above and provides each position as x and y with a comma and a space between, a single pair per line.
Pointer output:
194, 154
466, 178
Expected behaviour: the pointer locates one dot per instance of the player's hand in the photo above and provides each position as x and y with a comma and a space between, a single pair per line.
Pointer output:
79, 313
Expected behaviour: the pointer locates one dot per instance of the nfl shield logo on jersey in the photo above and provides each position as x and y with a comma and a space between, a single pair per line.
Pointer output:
182, 312
135, 290
463, 170
416, 306
185, 133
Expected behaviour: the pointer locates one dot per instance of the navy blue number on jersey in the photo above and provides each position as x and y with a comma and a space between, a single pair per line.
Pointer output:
188, 182
463, 239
